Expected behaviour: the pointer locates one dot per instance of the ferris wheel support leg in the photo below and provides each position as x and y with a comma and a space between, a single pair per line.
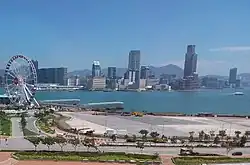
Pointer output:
36, 102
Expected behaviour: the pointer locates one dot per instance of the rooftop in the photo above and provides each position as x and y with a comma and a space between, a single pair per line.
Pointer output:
96, 62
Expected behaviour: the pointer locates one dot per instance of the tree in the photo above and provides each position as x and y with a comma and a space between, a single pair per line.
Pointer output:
229, 146
237, 134
140, 145
134, 138
191, 136
61, 141
90, 143
212, 133
222, 134
201, 135
144, 133
154, 134
75, 142
86, 142
173, 139
247, 133
243, 141
206, 137
217, 140
48, 141
23, 121
113, 137
34, 140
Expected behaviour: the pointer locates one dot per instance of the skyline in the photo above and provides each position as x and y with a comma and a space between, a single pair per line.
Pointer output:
76, 34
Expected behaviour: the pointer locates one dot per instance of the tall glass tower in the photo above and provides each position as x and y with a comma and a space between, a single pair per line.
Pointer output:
96, 69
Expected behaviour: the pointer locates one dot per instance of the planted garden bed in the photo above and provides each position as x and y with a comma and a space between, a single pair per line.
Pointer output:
202, 160
86, 156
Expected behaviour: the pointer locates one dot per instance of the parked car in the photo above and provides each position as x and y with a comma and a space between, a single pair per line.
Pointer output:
237, 154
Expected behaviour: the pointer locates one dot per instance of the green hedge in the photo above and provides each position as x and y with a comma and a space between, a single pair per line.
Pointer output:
77, 156
202, 160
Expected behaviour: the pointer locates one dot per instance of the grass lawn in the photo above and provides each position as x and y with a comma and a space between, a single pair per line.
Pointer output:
27, 132
201, 160
5, 126
91, 156
44, 127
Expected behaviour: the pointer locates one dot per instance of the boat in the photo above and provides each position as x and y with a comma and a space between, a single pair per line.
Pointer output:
238, 93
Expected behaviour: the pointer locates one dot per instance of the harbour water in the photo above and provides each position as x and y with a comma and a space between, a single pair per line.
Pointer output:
216, 101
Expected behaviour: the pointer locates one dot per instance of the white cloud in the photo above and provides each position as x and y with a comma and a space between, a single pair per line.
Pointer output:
231, 49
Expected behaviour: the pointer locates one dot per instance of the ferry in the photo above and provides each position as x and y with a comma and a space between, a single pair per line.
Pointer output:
238, 93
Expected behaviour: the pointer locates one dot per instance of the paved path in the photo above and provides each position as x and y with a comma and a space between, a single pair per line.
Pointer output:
167, 160
31, 124
16, 127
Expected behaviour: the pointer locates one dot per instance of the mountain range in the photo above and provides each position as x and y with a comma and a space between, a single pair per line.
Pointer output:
157, 71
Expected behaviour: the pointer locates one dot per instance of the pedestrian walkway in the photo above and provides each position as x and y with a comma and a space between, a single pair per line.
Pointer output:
166, 160
16, 127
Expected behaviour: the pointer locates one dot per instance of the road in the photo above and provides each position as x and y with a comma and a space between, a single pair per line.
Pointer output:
19, 143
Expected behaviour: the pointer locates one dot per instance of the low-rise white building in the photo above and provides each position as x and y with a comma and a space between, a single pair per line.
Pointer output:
97, 83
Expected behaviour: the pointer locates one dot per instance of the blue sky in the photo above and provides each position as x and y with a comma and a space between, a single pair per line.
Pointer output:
73, 33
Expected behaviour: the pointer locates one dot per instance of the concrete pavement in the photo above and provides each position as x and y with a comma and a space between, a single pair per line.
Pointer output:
16, 127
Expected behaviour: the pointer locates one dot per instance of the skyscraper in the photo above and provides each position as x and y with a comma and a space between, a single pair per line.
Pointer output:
52, 75
96, 69
134, 60
112, 72
144, 72
134, 68
232, 76
191, 80
190, 65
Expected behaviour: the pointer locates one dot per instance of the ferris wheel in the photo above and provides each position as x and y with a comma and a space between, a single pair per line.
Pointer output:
20, 81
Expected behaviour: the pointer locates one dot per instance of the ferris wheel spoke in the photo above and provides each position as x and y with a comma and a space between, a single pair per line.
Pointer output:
15, 70
11, 74
28, 75
30, 85
26, 92
13, 87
